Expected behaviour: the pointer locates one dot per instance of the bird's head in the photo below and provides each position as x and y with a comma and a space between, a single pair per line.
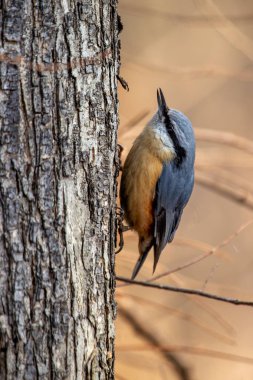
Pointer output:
164, 119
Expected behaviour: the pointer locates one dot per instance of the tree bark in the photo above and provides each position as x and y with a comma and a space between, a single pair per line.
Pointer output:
58, 169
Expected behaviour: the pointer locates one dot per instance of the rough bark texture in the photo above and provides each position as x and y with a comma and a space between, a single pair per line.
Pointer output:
58, 111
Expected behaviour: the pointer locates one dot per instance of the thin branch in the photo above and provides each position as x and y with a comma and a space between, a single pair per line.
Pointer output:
203, 256
196, 292
209, 253
152, 339
201, 246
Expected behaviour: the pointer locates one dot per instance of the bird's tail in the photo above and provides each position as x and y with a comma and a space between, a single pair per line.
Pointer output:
144, 248
157, 253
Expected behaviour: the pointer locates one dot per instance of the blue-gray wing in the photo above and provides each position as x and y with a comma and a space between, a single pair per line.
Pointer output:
173, 191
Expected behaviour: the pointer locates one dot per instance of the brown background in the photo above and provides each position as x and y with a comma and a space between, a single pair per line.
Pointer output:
200, 53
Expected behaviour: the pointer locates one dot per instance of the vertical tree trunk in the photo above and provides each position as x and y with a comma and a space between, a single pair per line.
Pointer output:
58, 111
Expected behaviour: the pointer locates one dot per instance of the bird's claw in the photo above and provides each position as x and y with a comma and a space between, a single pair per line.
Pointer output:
120, 228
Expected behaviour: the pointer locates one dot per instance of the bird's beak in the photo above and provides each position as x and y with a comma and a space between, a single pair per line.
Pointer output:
162, 106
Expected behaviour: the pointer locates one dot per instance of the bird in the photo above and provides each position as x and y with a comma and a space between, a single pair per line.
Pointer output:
157, 180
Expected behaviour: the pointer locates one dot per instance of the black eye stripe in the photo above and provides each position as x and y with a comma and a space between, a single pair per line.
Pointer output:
179, 150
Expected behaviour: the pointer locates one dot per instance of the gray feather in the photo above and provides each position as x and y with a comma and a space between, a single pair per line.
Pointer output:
174, 187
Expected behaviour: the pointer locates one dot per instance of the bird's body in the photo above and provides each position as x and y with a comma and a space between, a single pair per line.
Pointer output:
157, 180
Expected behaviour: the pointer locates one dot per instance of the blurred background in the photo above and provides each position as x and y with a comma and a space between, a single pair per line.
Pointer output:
200, 53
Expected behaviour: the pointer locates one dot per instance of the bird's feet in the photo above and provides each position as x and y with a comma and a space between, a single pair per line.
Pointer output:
120, 228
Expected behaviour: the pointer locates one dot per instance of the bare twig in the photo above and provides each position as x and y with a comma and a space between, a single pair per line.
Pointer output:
209, 253
203, 256
196, 292
201, 246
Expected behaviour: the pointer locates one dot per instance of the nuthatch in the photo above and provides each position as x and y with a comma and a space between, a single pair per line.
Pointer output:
157, 179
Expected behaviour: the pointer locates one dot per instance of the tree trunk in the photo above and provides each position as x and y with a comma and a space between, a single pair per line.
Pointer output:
58, 168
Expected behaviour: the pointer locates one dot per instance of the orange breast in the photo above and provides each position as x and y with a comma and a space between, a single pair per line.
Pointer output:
141, 172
